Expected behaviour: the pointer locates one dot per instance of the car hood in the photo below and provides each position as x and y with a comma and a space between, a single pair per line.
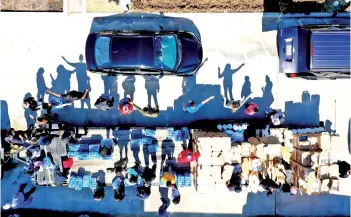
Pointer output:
191, 53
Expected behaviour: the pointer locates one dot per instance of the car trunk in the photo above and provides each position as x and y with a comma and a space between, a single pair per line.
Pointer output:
330, 51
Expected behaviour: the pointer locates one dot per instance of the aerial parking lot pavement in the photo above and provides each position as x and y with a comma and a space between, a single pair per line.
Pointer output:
41, 51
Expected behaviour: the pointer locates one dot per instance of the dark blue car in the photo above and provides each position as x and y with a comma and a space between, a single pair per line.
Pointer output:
314, 52
145, 53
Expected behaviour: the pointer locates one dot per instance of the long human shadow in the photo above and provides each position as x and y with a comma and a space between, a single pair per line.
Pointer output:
129, 86
62, 82
143, 22
41, 85
111, 88
28, 112
246, 89
227, 76
304, 113
152, 86
5, 125
82, 77
123, 137
349, 136
167, 150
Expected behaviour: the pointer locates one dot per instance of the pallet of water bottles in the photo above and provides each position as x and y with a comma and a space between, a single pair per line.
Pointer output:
80, 182
183, 179
86, 152
234, 131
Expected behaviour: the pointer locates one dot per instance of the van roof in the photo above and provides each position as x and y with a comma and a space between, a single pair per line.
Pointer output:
330, 50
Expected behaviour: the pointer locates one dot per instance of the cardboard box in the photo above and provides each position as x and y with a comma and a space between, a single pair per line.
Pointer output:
272, 149
220, 188
324, 158
221, 144
325, 141
236, 159
255, 164
245, 149
302, 172
323, 172
203, 170
216, 173
325, 185
329, 172
334, 187
312, 142
334, 171
227, 172
245, 167
333, 158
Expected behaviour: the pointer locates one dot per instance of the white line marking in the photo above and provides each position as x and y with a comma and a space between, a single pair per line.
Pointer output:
265, 49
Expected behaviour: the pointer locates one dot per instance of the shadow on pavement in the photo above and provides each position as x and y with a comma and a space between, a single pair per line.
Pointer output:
304, 113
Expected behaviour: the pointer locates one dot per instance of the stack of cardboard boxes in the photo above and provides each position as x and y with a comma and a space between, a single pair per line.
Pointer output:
313, 164
215, 149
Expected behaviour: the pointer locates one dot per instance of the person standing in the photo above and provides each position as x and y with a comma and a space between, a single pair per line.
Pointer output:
20, 199
192, 107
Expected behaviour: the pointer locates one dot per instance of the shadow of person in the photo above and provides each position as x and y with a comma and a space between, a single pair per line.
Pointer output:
41, 85
227, 76
246, 89
167, 148
61, 83
110, 84
86, 100
164, 194
328, 125
100, 175
152, 86
81, 72
122, 142
268, 98
28, 112
129, 86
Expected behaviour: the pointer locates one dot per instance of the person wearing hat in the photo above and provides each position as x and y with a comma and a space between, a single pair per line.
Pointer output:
125, 106
187, 156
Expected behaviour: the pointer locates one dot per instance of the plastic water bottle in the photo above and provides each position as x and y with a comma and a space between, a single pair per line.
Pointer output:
235, 127
219, 127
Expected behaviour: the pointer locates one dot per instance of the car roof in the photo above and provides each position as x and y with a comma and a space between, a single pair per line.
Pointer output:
132, 51
331, 50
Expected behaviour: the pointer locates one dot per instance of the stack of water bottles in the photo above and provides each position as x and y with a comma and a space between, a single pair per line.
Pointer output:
235, 131
78, 182
184, 180
308, 130
86, 152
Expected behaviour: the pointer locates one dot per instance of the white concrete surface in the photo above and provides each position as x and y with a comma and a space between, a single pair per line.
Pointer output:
29, 41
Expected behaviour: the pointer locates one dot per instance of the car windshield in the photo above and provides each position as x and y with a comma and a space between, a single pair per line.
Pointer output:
102, 51
165, 52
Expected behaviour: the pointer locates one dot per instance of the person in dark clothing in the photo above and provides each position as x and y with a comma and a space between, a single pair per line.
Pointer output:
72, 95
344, 169
149, 175
105, 102
119, 166
31, 103
99, 192
44, 118
162, 211
234, 184
119, 191
268, 184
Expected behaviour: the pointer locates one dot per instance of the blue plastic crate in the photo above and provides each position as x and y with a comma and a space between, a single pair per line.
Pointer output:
86, 181
106, 158
150, 132
94, 156
185, 133
83, 156
94, 147
73, 147
178, 135
83, 148
79, 183
73, 154
180, 180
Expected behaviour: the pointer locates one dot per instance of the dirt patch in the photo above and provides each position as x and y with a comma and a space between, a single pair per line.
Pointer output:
284, 6
32, 5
